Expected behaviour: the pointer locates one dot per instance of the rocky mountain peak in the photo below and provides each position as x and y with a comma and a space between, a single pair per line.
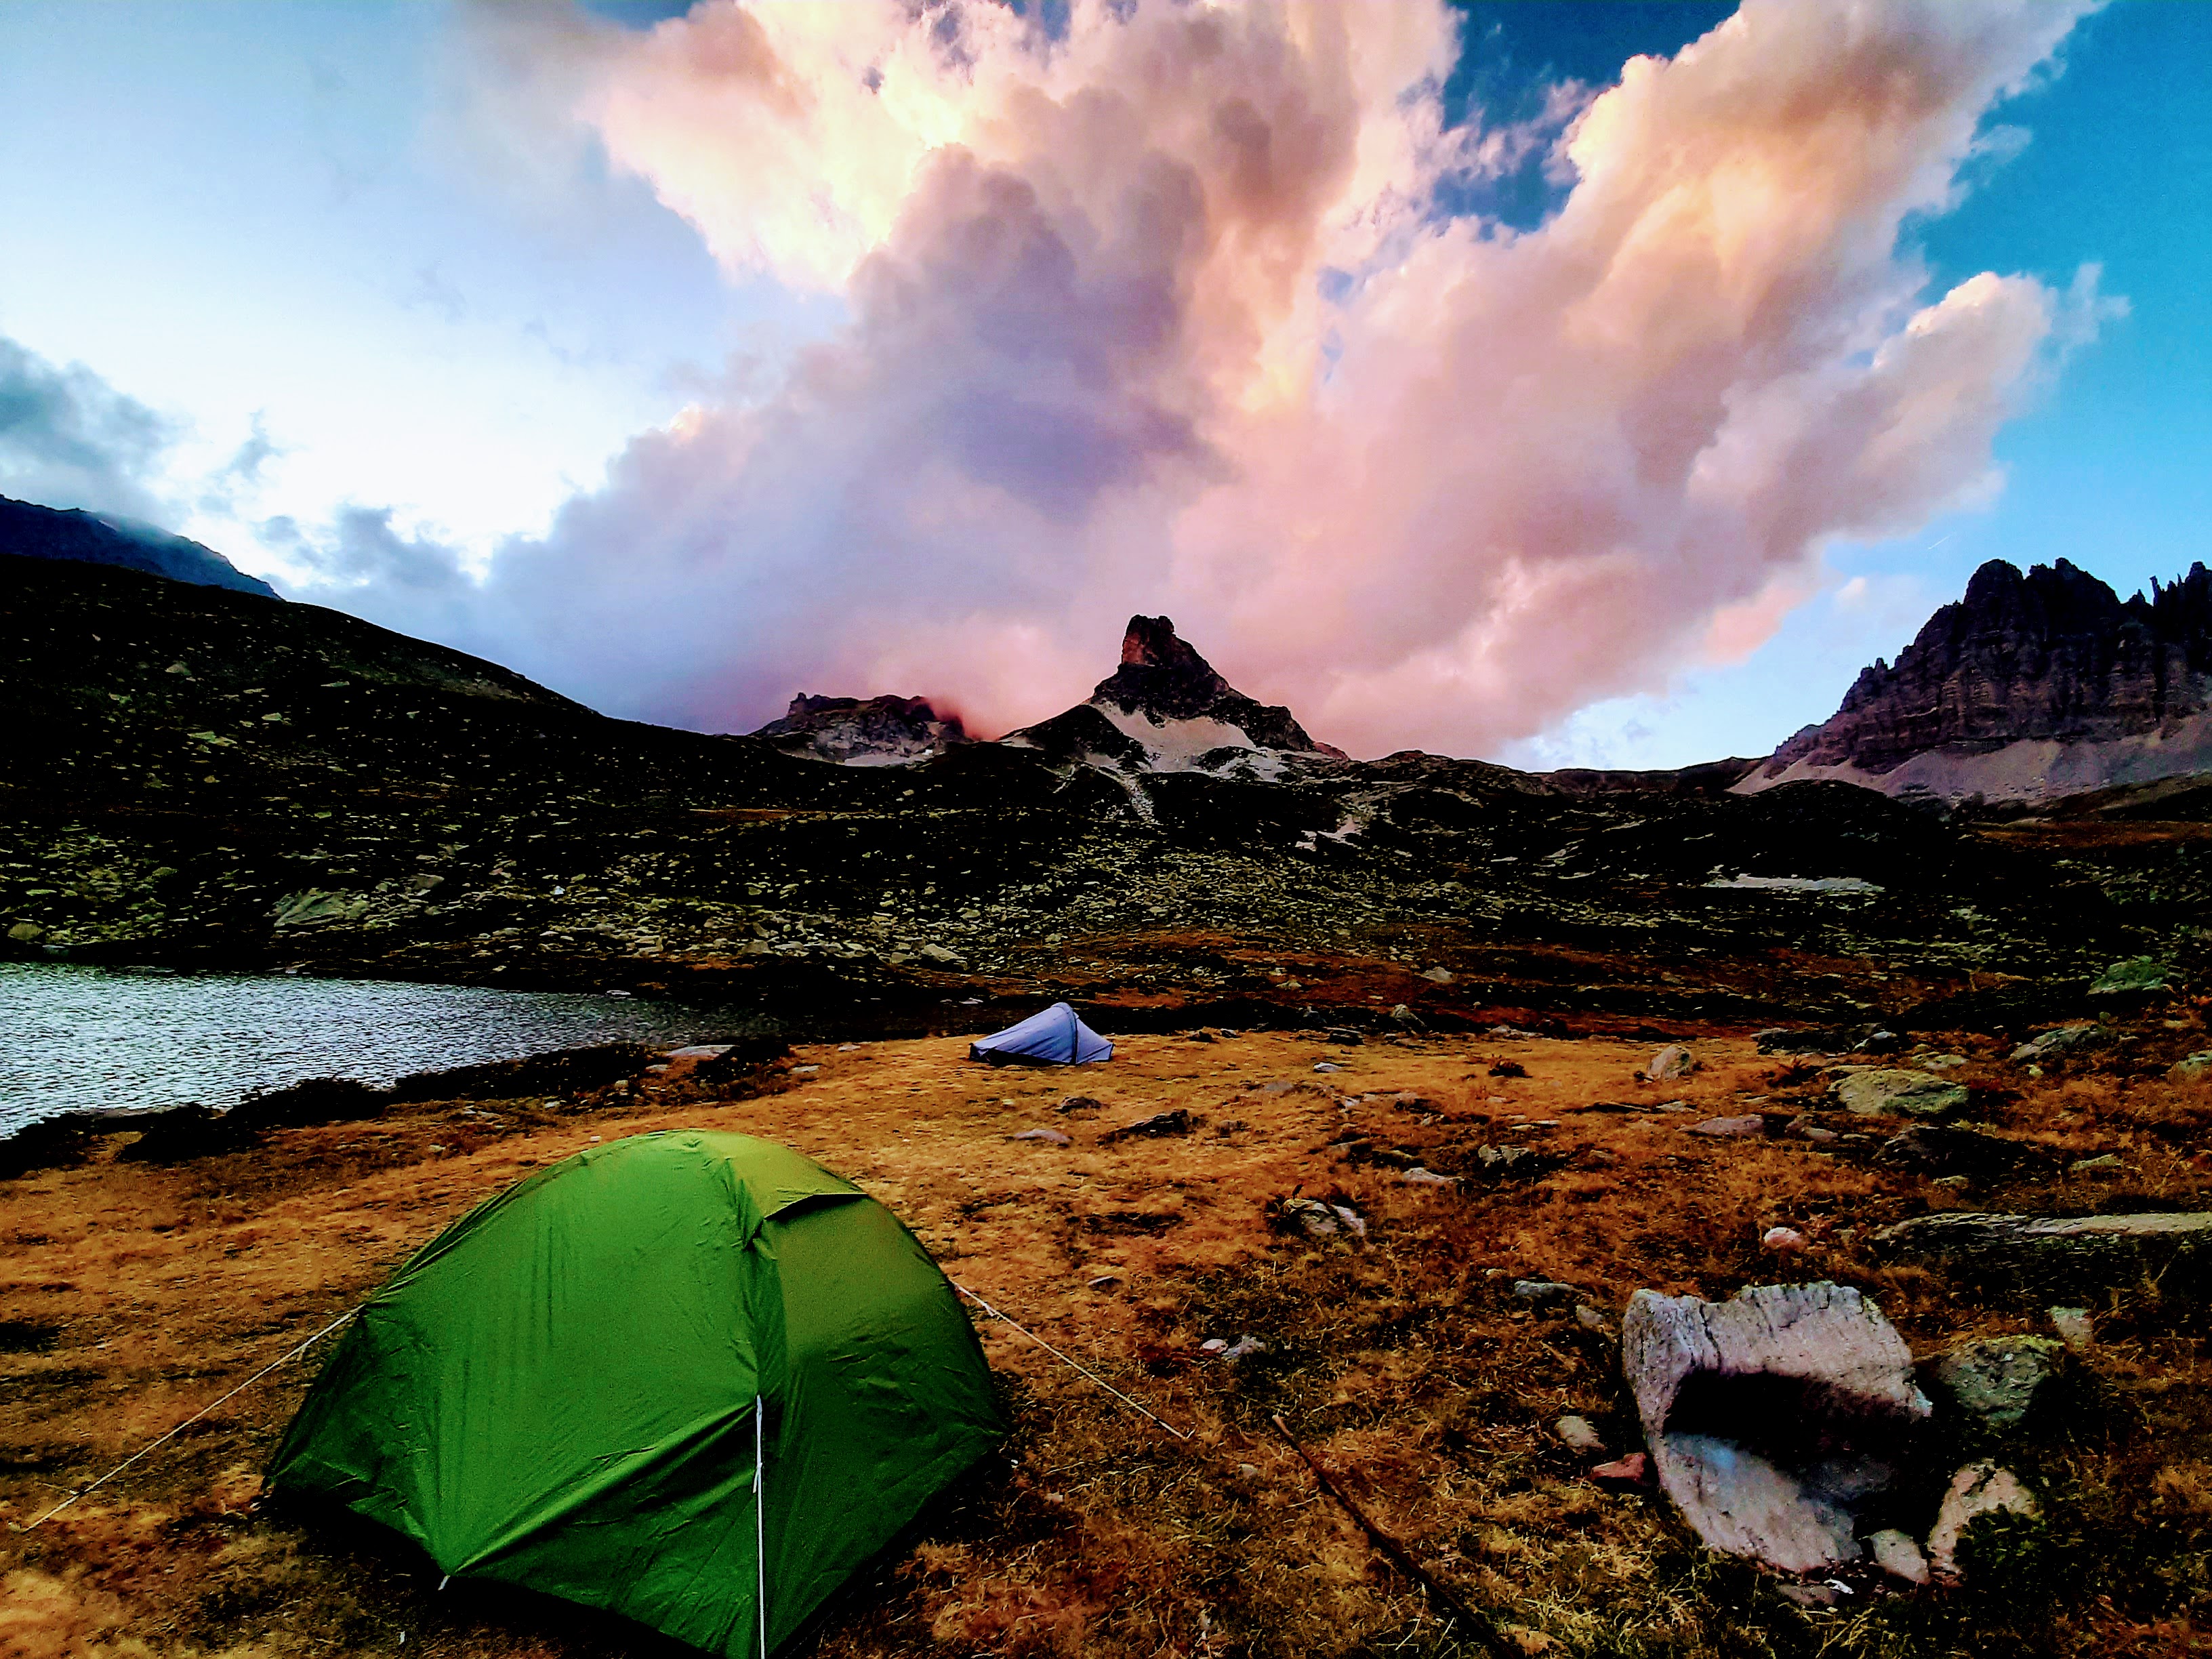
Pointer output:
2047, 656
1161, 673
1166, 709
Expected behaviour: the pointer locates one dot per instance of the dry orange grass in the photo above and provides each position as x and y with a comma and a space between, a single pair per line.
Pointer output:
134, 1295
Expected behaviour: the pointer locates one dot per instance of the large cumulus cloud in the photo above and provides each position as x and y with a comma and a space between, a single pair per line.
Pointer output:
1158, 311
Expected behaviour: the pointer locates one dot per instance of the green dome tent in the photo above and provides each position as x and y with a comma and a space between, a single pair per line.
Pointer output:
560, 1390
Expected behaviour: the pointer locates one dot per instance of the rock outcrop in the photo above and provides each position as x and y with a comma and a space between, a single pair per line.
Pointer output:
875, 732
2032, 685
33, 531
1773, 1418
2061, 1255
1166, 709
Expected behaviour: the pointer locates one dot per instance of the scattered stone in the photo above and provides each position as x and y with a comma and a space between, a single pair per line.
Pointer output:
804, 1071
2104, 1163
1316, 1220
1078, 1104
1633, 1470
2138, 976
2079, 1253
1327, 1066
1213, 1344
1943, 1062
2037, 1049
1804, 1129
2195, 1065
1881, 1091
1514, 1163
1670, 1063
1437, 975
1105, 1282
2074, 1327
1507, 1068
1402, 1015
1783, 1241
1344, 1036
1243, 1348
1812, 1595
1896, 1554
1977, 1490
1049, 1137
1996, 1381
26, 932
1544, 1292
1772, 1415
937, 953
1591, 1319
1420, 1177
1730, 1128
1579, 1434
1176, 1122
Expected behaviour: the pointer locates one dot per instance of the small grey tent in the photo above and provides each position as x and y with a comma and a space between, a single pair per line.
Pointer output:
1054, 1038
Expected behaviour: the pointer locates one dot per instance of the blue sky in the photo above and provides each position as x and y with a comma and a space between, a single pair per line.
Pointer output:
291, 221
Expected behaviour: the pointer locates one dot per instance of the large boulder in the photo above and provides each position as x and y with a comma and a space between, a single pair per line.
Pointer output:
1774, 1416
1978, 1490
1996, 1381
2082, 1254
1883, 1091
2138, 976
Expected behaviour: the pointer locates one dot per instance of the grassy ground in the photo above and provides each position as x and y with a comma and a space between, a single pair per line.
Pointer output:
130, 1296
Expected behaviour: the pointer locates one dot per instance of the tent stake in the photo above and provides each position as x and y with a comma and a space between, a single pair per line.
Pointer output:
1479, 1625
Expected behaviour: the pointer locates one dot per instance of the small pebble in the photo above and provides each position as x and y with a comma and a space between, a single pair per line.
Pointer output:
1632, 1470
1049, 1137
1783, 1241
2074, 1327
1579, 1434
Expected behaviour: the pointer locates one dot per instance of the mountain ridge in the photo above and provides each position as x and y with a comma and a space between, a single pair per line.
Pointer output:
30, 530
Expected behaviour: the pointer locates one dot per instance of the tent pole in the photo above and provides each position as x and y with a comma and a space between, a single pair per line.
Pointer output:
760, 1521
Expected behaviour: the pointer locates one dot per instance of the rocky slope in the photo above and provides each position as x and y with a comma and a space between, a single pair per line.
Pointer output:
31, 531
878, 732
191, 777
2032, 686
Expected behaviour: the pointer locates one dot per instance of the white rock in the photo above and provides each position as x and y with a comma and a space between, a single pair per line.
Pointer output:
1783, 1241
2074, 1327
1578, 1434
1977, 1490
1803, 1365
1672, 1061
1895, 1554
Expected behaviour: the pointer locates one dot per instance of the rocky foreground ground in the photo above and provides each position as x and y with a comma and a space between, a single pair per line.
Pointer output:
1418, 1250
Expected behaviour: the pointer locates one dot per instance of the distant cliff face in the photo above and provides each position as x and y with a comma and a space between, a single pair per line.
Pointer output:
33, 531
2073, 686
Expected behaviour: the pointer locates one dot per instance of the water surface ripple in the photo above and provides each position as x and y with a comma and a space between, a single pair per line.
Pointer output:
73, 1036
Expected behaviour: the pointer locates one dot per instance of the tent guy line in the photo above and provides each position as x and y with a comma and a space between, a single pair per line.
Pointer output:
288, 1355
1072, 1364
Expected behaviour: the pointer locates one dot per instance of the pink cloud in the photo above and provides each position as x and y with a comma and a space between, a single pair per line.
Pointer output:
1092, 365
